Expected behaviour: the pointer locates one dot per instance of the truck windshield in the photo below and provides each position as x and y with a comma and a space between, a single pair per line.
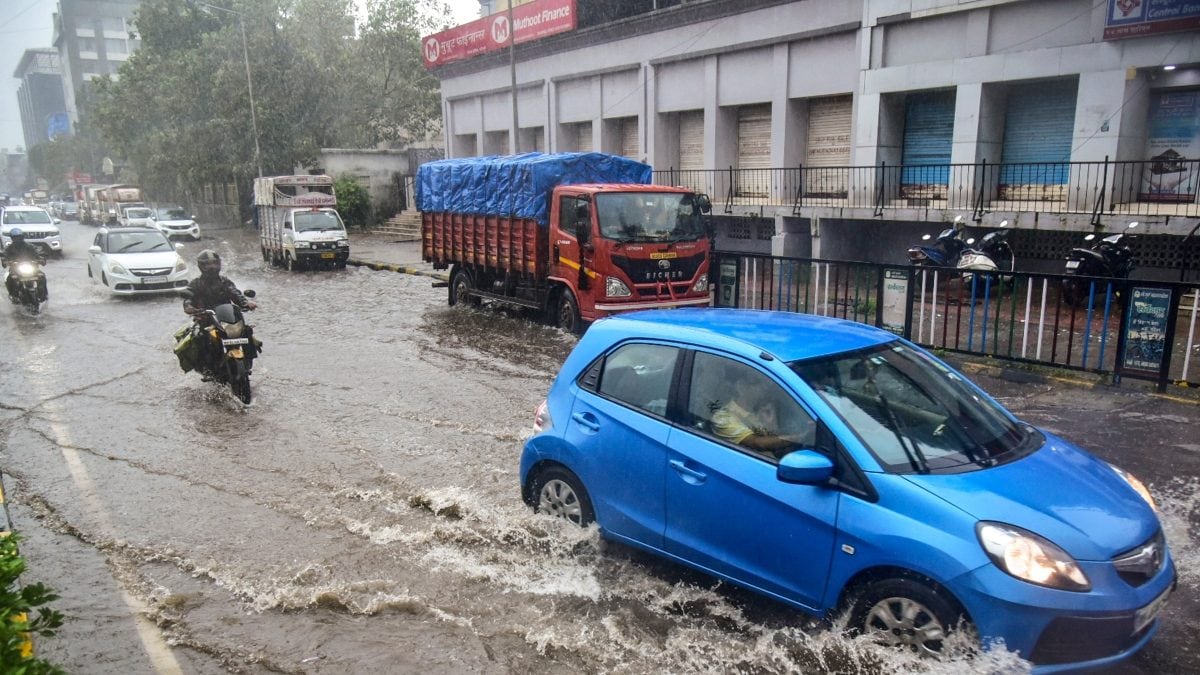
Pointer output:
649, 216
311, 221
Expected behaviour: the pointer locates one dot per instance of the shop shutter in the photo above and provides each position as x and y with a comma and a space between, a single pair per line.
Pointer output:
928, 139
629, 138
828, 146
1039, 122
691, 151
584, 143
754, 150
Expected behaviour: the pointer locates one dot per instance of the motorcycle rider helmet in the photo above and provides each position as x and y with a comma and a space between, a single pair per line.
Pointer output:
209, 261
16, 234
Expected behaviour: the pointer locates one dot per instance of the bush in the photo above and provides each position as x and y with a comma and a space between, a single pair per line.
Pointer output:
353, 202
16, 604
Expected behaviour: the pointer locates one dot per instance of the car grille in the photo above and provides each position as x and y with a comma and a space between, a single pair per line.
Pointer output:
662, 290
155, 272
1141, 564
1075, 638
324, 244
179, 227
35, 234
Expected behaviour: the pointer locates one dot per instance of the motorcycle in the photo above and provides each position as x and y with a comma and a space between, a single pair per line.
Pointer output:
992, 257
31, 284
945, 250
219, 345
1110, 257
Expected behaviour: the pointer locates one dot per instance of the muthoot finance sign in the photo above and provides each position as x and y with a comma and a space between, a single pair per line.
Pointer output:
530, 21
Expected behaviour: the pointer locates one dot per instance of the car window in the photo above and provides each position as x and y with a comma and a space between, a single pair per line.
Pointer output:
136, 242
26, 218
640, 375
740, 404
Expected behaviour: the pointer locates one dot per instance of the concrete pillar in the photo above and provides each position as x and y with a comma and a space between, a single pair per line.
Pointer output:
968, 100
649, 122
1097, 124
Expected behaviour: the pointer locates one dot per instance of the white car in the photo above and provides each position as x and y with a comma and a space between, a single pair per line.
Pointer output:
175, 222
136, 216
136, 261
40, 228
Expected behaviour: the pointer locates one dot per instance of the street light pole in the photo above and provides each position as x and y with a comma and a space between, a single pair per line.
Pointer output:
249, 80
512, 72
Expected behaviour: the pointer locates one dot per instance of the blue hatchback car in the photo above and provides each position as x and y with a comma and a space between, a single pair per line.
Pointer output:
834, 466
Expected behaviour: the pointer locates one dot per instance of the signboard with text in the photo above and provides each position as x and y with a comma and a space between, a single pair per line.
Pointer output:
1137, 18
895, 300
1146, 329
532, 21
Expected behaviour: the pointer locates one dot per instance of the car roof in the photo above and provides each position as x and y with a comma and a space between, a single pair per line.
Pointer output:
787, 336
23, 207
132, 228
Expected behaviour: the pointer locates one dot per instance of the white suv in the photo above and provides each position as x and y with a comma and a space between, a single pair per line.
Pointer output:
173, 221
40, 228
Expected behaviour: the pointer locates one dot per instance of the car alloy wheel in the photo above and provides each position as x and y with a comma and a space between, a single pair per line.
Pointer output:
559, 493
905, 613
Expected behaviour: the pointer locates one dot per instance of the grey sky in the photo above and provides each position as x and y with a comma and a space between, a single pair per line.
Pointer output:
24, 24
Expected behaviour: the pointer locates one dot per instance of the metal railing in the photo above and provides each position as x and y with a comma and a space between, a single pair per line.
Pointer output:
1142, 188
1138, 329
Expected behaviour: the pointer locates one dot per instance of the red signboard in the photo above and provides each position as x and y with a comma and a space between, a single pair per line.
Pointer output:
532, 20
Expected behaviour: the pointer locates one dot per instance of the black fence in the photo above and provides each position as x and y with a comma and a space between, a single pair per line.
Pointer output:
1143, 188
1144, 330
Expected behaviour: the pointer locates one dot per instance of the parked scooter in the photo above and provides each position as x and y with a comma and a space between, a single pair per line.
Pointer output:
993, 256
30, 284
944, 252
1110, 257
221, 347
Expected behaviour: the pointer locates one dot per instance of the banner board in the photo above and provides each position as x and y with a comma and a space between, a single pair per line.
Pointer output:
895, 300
1146, 329
533, 20
1172, 147
1138, 18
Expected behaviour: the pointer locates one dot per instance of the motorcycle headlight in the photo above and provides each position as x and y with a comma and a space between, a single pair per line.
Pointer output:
701, 285
615, 288
25, 269
1031, 558
117, 268
1137, 485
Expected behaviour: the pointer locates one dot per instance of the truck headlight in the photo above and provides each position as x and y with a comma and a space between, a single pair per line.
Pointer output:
302, 244
1031, 558
117, 268
343, 243
615, 288
701, 285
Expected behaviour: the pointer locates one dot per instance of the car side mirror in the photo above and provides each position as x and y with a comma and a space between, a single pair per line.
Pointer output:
178, 247
249, 293
93, 249
805, 467
57, 221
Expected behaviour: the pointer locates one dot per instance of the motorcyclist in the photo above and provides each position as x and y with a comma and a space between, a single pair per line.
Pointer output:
17, 251
210, 289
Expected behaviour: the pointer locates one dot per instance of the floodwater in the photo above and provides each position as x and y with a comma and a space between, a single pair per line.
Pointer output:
363, 514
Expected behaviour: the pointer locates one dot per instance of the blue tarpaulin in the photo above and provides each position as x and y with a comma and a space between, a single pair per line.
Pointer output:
516, 185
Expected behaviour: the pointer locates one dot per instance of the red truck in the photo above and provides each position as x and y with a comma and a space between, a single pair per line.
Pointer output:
577, 236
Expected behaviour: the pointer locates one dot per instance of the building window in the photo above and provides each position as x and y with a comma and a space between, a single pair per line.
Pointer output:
115, 46
111, 24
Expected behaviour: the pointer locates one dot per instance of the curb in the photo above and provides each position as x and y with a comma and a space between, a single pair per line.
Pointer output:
1012, 374
388, 267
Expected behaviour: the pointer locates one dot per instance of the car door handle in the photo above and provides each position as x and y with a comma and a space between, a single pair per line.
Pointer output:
587, 421
690, 475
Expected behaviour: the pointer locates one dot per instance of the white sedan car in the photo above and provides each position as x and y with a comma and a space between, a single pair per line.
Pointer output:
136, 261
175, 222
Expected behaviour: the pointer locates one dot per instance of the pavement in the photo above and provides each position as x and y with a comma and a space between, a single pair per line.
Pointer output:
388, 253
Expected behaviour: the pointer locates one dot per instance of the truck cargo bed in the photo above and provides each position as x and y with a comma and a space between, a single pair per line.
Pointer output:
502, 244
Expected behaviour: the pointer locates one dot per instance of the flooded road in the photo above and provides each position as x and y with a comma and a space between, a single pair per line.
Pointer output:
363, 515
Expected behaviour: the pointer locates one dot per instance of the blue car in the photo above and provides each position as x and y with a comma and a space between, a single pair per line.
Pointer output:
838, 468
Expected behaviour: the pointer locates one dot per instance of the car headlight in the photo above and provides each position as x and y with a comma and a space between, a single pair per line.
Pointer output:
615, 288
701, 284
181, 266
1031, 558
1137, 485
302, 244
116, 268
343, 243
25, 269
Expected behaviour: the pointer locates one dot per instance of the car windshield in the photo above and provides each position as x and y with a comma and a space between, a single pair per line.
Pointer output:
137, 242
26, 218
137, 213
309, 221
914, 414
649, 216
172, 214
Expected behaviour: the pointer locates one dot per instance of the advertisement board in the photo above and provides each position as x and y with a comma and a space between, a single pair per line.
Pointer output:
1172, 147
532, 21
895, 300
1138, 18
1146, 329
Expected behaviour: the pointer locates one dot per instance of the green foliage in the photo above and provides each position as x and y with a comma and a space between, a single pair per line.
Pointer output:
353, 202
17, 601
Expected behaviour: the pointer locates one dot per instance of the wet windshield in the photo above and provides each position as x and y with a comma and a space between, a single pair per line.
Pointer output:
310, 221
137, 242
649, 217
914, 414
172, 214
26, 218
137, 213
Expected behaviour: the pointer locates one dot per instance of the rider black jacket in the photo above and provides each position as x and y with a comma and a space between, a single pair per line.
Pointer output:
21, 251
207, 293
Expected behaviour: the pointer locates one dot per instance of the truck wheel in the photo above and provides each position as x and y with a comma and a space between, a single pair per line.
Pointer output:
460, 290
292, 264
566, 314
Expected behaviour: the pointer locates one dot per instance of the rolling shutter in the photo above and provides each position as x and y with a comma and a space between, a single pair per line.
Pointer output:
828, 146
584, 144
629, 137
928, 140
691, 151
754, 150
1039, 123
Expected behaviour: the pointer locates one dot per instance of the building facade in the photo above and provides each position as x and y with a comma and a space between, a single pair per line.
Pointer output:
93, 38
40, 96
831, 124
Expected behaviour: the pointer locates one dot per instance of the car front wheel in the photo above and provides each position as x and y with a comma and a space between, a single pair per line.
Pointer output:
905, 612
558, 492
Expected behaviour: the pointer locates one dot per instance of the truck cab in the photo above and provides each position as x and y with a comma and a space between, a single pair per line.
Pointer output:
315, 236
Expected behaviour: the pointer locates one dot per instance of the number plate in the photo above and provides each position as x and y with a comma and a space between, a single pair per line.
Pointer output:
1072, 264
1148, 613
236, 341
153, 280
327, 255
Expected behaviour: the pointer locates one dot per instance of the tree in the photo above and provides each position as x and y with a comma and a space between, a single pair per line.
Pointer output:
353, 201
